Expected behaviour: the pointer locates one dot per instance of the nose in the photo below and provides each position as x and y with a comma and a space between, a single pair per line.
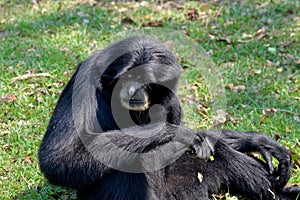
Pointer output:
131, 91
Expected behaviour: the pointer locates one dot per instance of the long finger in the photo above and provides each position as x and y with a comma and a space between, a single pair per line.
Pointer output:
284, 170
268, 158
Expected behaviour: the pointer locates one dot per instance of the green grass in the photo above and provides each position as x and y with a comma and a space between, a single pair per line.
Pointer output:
54, 36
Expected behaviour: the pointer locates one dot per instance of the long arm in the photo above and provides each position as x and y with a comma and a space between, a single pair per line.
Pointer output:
74, 161
247, 142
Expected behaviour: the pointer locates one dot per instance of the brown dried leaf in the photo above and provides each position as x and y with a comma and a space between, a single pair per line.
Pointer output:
127, 20
23, 123
80, 14
245, 35
289, 56
28, 160
40, 99
219, 118
221, 195
226, 40
205, 6
261, 33
31, 71
229, 85
239, 88
58, 91
191, 98
212, 37
8, 98
201, 107
48, 31
7, 147
228, 23
277, 136
169, 44
291, 184
172, 5
287, 129
269, 63
285, 45
3, 21
192, 14
235, 120
297, 163
121, 9
257, 72
269, 111
280, 69
154, 23
144, 4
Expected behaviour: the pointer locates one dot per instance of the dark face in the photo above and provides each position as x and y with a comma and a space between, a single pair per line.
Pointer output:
134, 96
132, 74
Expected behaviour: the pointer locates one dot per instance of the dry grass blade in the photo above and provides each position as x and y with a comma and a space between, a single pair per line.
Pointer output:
27, 76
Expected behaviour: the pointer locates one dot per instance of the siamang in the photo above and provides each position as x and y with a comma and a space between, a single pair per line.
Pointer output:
116, 133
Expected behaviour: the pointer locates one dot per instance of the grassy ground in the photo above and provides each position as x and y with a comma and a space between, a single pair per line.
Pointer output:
256, 46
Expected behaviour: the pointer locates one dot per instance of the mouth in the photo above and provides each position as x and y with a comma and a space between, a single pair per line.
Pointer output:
136, 101
136, 104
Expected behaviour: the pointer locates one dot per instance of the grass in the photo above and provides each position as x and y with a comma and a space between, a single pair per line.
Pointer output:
255, 45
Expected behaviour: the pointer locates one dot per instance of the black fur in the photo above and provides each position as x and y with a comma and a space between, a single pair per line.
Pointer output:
66, 161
